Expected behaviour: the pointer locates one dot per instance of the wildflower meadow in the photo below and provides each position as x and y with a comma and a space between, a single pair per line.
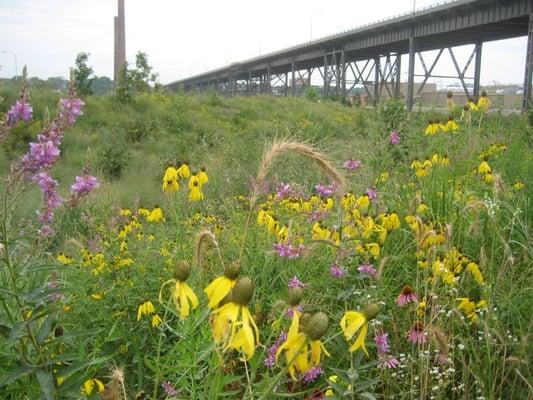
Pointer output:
182, 246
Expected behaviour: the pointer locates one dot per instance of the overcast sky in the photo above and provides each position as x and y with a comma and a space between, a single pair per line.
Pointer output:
183, 38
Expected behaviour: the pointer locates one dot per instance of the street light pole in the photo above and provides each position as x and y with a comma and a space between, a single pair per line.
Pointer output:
15, 57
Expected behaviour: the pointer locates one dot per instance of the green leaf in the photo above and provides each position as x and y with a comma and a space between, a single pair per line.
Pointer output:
15, 375
46, 382
45, 329
367, 395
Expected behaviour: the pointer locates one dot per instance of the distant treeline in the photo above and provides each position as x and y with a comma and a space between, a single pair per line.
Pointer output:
99, 86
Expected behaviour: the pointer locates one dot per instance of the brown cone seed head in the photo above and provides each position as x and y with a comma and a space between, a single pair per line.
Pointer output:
371, 311
232, 270
243, 290
182, 271
295, 295
318, 325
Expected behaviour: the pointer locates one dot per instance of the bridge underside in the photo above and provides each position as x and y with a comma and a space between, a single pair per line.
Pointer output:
370, 61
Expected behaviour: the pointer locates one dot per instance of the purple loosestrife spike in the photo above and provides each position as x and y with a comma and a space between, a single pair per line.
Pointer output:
394, 138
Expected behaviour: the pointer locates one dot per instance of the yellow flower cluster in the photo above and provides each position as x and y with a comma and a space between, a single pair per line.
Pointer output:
423, 168
434, 127
173, 174
470, 308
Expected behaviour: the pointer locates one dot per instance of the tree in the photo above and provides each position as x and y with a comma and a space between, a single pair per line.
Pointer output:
82, 74
123, 84
142, 77
101, 85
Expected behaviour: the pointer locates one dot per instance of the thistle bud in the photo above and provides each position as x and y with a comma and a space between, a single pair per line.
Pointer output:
243, 291
371, 311
295, 295
182, 271
318, 325
232, 270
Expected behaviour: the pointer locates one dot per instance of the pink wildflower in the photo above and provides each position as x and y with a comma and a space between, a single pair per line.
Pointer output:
337, 271
324, 190
84, 185
294, 282
394, 138
407, 296
417, 335
20, 111
372, 194
289, 251
352, 165
368, 269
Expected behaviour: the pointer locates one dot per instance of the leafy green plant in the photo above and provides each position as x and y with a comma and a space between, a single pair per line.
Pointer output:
392, 114
112, 159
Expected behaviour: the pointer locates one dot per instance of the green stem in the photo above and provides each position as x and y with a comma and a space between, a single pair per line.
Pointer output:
159, 344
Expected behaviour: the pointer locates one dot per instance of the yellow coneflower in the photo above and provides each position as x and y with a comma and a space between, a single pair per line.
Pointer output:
483, 103
156, 321
451, 125
233, 324
449, 100
170, 180
90, 385
183, 296
519, 185
195, 193
221, 286
484, 167
64, 259
202, 176
184, 171
146, 308
303, 350
156, 215
354, 321
472, 105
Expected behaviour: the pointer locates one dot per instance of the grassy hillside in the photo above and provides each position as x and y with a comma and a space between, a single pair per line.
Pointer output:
461, 243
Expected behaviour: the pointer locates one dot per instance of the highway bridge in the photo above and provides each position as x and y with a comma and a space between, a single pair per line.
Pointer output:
370, 56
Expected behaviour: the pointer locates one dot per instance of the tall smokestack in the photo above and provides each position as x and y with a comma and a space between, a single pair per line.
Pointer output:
120, 39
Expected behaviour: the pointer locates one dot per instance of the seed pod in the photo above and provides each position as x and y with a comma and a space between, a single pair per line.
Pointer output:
232, 270
295, 295
58, 331
371, 311
182, 271
318, 325
243, 290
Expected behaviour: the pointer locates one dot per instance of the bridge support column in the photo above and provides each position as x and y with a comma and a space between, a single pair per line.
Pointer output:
286, 88
293, 87
377, 80
268, 81
411, 75
343, 75
477, 70
249, 84
325, 76
398, 77
528, 80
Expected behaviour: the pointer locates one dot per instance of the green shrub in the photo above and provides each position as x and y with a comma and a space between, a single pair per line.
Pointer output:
311, 94
392, 114
112, 159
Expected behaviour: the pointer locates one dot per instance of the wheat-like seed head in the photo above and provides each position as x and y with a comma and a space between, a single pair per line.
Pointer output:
280, 147
204, 235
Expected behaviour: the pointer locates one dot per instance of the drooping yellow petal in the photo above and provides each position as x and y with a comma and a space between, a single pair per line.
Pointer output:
190, 295
243, 341
218, 289
351, 322
360, 341
184, 304
248, 319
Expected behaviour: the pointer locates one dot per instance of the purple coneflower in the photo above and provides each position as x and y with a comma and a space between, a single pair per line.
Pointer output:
417, 335
352, 165
394, 138
407, 296
368, 269
337, 271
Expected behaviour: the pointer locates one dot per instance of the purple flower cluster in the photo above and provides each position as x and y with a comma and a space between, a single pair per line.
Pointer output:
368, 269
294, 282
324, 190
283, 190
382, 345
52, 200
289, 251
317, 215
337, 271
42, 155
20, 111
352, 165
270, 361
169, 389
290, 311
312, 374
70, 109
84, 185
372, 194
394, 138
